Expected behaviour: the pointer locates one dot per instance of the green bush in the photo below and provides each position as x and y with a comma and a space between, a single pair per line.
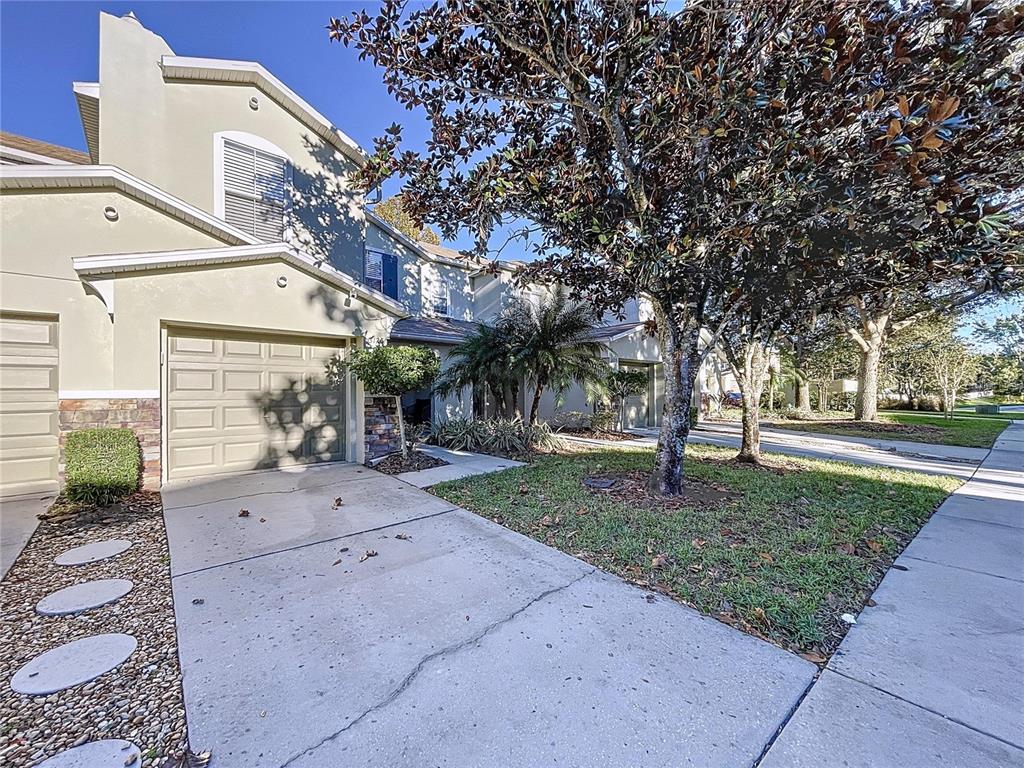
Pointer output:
505, 437
101, 465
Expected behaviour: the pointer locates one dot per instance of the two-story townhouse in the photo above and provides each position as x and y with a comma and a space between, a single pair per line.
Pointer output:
190, 277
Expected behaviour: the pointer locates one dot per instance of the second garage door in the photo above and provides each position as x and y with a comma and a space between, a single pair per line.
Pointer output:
242, 401
28, 405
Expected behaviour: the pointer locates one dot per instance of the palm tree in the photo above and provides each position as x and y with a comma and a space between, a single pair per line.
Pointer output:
553, 344
486, 362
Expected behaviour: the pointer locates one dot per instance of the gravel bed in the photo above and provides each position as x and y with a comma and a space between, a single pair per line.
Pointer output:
141, 700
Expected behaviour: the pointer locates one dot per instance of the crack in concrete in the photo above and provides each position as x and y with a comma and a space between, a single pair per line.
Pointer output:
409, 678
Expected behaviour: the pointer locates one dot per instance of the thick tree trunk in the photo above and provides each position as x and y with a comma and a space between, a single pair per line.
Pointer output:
508, 397
803, 395
870, 340
681, 355
801, 381
865, 407
751, 380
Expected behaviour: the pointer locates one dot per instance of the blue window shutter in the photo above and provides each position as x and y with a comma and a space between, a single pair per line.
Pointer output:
390, 269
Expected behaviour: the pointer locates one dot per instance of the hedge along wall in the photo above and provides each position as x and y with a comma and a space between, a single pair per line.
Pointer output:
101, 465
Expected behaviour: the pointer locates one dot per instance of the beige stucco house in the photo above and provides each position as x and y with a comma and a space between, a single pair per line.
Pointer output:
190, 274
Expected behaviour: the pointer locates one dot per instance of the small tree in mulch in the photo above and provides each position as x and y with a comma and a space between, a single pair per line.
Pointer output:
391, 371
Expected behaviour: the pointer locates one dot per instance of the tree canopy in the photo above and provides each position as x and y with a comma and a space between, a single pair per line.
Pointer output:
669, 151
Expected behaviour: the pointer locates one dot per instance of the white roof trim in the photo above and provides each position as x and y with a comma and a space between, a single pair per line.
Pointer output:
254, 73
31, 157
92, 266
89, 90
625, 333
60, 177
408, 242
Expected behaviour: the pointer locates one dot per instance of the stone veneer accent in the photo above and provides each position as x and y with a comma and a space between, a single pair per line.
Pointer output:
141, 415
381, 428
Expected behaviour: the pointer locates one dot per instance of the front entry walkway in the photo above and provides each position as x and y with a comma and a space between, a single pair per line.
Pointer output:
933, 673
391, 629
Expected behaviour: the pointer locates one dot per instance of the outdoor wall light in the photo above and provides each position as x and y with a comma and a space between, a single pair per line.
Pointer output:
254, 104
282, 282
110, 213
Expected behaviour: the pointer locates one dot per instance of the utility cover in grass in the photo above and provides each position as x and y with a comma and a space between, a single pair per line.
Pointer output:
73, 663
82, 597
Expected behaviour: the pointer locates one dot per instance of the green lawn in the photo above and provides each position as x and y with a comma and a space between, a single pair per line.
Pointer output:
971, 430
789, 550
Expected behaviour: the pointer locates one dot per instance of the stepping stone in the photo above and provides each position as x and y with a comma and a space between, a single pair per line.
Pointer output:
109, 753
73, 663
82, 597
90, 553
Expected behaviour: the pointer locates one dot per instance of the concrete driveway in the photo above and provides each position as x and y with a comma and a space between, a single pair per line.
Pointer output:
460, 644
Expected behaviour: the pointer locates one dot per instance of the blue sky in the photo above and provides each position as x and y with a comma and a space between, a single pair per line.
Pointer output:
44, 46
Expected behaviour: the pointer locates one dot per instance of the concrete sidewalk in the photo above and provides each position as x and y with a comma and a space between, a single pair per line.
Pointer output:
933, 673
460, 464
817, 448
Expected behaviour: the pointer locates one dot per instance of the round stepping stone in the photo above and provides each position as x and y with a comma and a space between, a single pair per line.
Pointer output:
82, 597
109, 753
90, 553
73, 663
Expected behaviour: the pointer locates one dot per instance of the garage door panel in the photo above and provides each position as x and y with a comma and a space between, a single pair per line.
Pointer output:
267, 400
29, 446
186, 345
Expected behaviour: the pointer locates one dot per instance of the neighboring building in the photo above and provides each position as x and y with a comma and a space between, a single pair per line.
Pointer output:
190, 274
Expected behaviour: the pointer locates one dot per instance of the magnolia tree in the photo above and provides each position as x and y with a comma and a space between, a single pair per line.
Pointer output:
390, 371
645, 145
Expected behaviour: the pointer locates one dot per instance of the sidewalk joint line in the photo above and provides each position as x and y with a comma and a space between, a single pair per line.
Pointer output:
927, 709
962, 568
315, 543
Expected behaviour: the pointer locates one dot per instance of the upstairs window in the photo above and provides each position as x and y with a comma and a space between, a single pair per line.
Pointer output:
440, 300
255, 186
380, 272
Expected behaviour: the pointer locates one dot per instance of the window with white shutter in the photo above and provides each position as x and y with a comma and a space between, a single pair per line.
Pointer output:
255, 191
373, 270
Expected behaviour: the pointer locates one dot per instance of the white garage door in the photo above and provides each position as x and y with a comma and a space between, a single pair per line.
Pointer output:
28, 405
242, 401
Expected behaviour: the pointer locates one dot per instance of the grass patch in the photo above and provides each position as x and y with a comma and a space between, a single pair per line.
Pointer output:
101, 465
963, 429
791, 547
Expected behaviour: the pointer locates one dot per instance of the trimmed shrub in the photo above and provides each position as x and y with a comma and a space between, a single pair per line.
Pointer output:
101, 465
505, 437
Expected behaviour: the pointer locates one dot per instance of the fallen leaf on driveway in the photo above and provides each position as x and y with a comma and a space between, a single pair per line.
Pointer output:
263, 519
403, 536
814, 658
343, 549
198, 601
368, 554
243, 513
337, 503
336, 562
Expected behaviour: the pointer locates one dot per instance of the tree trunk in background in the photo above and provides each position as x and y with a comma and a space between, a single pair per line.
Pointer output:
401, 428
801, 382
751, 380
508, 397
681, 355
870, 340
535, 405
803, 395
865, 407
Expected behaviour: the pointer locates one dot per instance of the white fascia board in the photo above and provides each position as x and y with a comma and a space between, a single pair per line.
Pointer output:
88, 90
408, 242
31, 157
87, 266
626, 333
57, 177
254, 73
